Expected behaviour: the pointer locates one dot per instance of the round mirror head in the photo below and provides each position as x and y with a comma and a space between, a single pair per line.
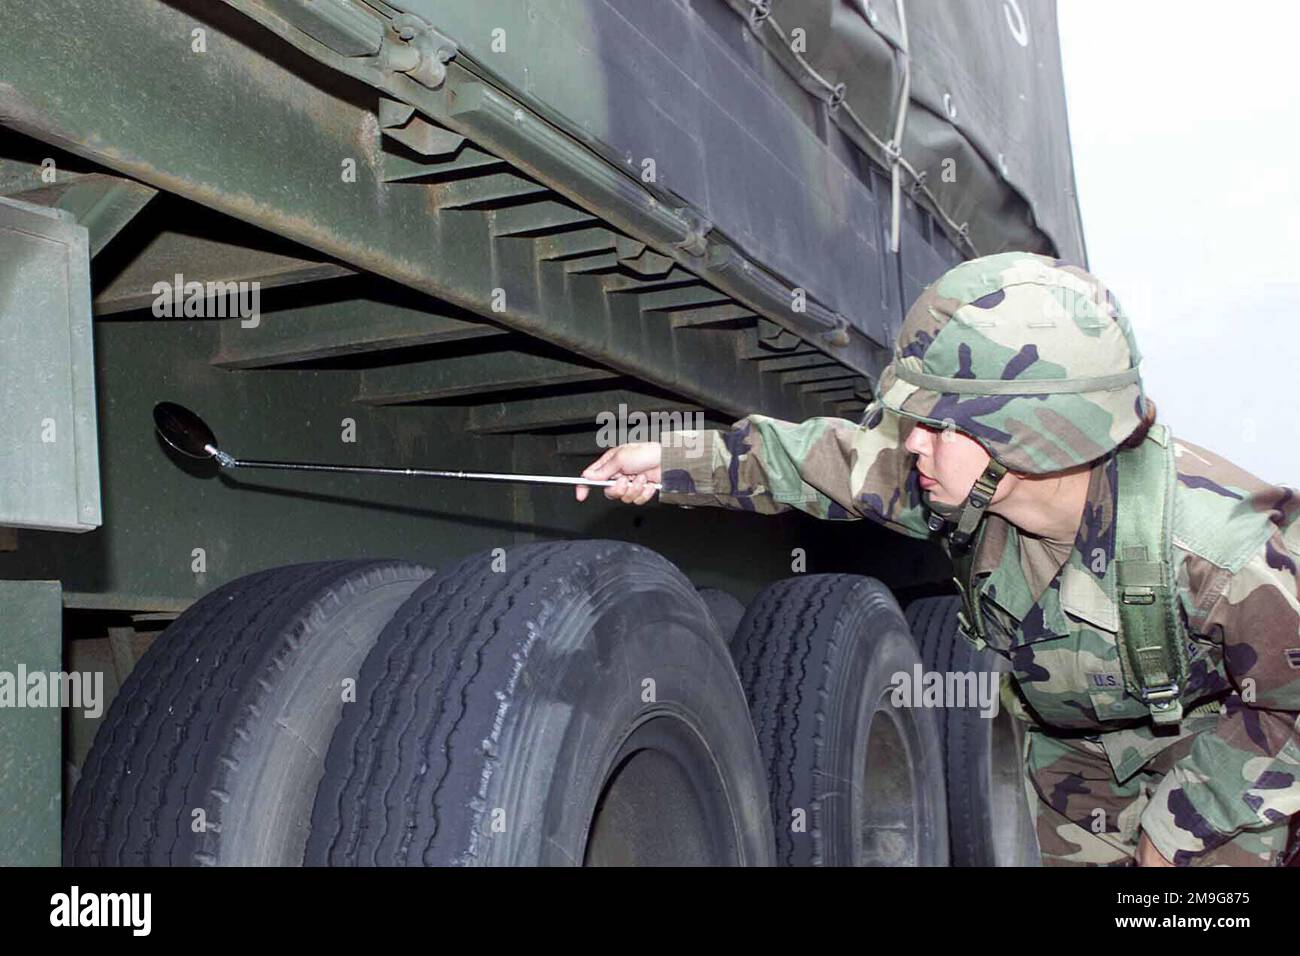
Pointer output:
184, 431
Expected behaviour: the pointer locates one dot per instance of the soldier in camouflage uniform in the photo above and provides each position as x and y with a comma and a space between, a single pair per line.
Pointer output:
1028, 471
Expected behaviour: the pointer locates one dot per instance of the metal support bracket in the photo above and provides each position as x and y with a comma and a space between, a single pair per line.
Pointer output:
418, 50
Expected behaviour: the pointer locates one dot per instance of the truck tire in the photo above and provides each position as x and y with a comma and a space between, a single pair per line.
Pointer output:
222, 726
854, 781
572, 706
990, 822
726, 610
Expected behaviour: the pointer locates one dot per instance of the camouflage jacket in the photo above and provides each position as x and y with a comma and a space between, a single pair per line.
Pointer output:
1235, 549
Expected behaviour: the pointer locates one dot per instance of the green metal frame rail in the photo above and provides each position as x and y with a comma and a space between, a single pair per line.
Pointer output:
503, 215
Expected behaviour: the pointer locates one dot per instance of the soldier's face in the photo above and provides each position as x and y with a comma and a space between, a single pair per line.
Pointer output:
948, 462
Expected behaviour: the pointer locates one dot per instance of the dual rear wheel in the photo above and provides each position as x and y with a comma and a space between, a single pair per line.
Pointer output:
576, 706
990, 822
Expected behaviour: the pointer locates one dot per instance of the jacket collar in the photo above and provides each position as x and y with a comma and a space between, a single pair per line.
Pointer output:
1084, 588
1089, 578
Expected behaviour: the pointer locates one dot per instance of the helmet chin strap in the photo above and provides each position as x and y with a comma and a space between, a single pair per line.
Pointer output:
967, 515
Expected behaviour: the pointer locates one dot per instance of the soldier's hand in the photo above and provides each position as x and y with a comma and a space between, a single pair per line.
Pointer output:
635, 469
1148, 855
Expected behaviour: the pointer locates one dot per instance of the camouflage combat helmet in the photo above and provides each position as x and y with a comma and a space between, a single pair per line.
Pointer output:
1031, 358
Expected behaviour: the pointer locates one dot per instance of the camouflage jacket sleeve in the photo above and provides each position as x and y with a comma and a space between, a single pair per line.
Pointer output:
828, 467
1245, 773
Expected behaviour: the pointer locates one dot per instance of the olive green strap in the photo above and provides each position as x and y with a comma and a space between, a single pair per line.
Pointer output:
969, 621
977, 502
968, 615
1151, 649
962, 544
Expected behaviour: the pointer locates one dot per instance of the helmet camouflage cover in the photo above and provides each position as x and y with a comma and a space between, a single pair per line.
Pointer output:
1032, 358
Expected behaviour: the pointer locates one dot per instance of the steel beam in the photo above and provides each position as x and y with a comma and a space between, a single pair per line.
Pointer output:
103, 204
566, 411
204, 258
831, 374
541, 218
466, 376
335, 329
708, 315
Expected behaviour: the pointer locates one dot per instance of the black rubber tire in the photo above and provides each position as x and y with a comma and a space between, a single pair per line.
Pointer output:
229, 712
989, 818
816, 655
726, 609
502, 721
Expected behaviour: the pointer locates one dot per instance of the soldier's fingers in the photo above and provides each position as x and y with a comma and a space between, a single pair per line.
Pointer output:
603, 467
647, 493
615, 491
633, 489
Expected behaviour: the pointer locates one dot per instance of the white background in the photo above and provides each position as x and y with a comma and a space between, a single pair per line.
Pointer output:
1185, 122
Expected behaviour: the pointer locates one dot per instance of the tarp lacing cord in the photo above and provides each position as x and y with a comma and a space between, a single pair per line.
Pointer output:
892, 152
895, 145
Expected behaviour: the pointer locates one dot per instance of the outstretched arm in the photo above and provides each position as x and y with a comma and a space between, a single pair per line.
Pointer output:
828, 467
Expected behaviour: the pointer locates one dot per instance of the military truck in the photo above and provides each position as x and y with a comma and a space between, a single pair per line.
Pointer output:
496, 235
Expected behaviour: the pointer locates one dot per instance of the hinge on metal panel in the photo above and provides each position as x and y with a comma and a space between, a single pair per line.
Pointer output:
418, 50
695, 242
838, 334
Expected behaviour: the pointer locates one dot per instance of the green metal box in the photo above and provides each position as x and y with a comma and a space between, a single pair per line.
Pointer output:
49, 460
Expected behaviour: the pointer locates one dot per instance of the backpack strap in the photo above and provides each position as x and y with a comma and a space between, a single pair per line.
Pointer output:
1151, 650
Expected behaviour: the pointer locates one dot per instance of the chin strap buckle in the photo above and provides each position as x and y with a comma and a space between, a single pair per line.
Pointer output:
967, 517
981, 495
